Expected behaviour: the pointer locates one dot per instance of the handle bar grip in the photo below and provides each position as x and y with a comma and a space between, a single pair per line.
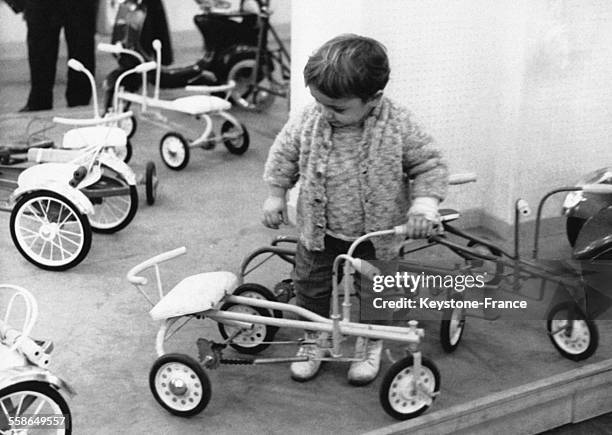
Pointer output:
365, 268
468, 177
164, 256
598, 189
110, 48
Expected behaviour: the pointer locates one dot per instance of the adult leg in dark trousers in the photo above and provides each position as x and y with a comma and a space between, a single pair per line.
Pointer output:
45, 19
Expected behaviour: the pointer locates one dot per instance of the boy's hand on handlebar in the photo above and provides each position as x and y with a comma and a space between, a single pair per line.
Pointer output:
423, 218
419, 226
275, 212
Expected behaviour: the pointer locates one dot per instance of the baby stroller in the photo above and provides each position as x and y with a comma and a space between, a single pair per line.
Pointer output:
235, 45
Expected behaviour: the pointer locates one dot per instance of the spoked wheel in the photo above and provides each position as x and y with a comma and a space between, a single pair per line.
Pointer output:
112, 211
253, 340
243, 94
235, 137
174, 151
151, 182
124, 153
572, 334
399, 398
451, 328
29, 400
49, 231
180, 384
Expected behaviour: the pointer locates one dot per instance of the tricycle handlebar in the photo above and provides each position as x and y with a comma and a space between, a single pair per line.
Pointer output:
468, 177
160, 258
210, 89
94, 121
601, 189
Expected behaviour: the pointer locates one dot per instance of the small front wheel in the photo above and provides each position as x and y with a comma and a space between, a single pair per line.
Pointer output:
401, 395
180, 384
151, 182
451, 328
572, 334
174, 151
235, 137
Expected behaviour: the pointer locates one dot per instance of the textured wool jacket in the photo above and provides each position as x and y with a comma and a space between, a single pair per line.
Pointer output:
396, 150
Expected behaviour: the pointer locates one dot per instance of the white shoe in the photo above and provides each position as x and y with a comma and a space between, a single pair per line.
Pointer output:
365, 371
303, 371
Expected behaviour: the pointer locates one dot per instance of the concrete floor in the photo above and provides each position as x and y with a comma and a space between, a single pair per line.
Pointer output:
105, 338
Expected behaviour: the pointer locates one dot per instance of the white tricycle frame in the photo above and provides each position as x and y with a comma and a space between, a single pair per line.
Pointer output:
248, 319
174, 147
83, 187
27, 388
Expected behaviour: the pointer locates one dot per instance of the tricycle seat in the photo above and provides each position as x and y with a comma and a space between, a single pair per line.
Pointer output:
194, 294
85, 136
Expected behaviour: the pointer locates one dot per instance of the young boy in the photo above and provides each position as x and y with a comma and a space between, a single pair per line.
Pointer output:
353, 151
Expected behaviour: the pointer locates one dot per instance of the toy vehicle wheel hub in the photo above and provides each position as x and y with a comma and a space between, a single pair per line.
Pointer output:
576, 338
177, 387
49, 231
404, 388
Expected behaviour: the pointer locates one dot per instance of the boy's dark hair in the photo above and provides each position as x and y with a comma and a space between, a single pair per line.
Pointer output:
348, 66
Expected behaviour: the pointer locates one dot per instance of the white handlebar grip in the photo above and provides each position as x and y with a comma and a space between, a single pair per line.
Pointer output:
157, 45
144, 67
109, 48
598, 189
468, 177
75, 65
523, 207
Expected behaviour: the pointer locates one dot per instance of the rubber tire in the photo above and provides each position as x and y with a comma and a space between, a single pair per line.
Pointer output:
133, 126
270, 331
198, 370
128, 153
83, 221
151, 183
264, 292
389, 377
133, 195
185, 147
228, 75
445, 334
237, 150
47, 390
592, 327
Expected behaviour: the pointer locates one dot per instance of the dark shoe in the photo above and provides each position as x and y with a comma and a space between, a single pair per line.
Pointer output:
27, 108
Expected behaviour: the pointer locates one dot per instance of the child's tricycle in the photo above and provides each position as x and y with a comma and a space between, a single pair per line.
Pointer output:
30, 395
174, 147
248, 318
56, 203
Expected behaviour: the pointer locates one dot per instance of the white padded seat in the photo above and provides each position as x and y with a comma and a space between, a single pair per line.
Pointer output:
194, 104
109, 136
195, 294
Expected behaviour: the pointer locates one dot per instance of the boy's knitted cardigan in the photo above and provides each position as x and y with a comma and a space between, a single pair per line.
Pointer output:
397, 150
